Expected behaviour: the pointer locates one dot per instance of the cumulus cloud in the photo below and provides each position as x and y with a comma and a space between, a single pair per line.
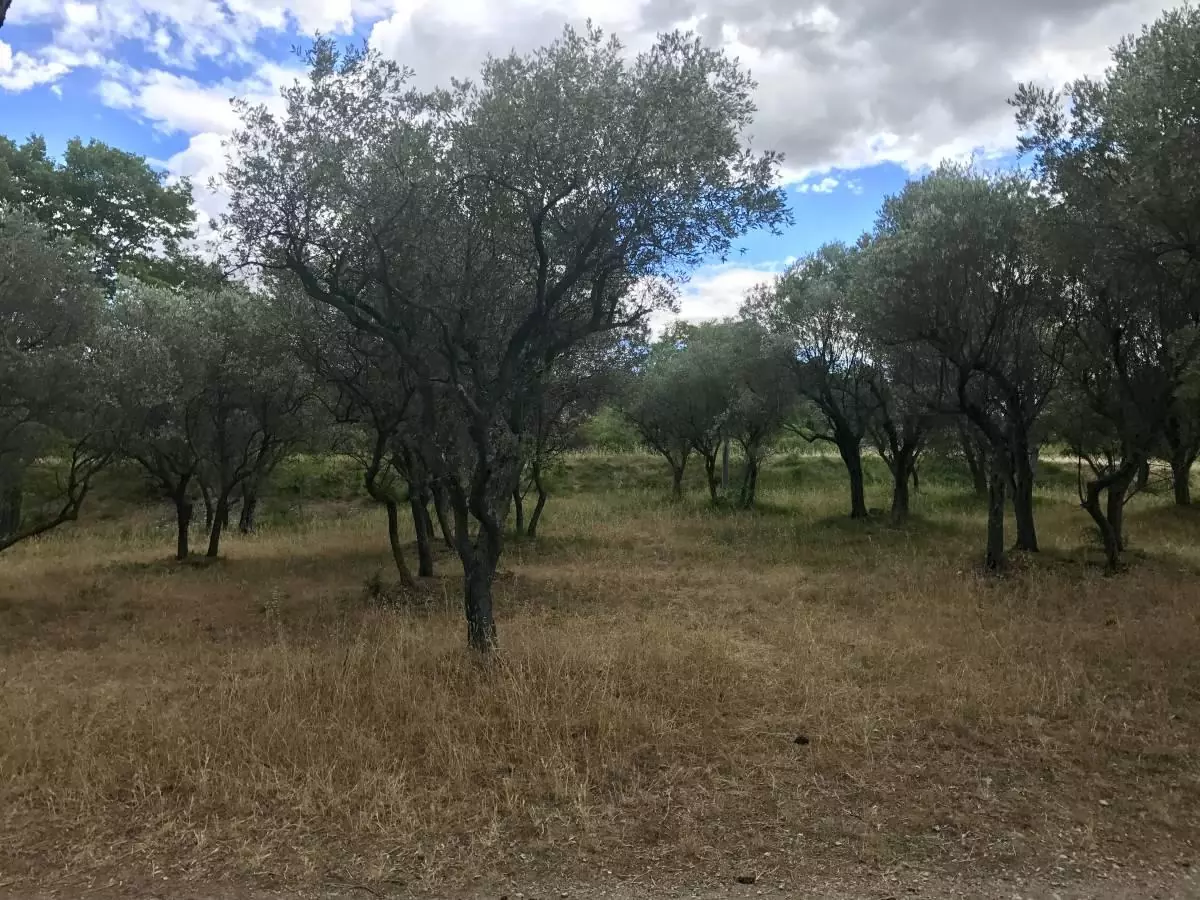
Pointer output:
841, 86
825, 185
717, 291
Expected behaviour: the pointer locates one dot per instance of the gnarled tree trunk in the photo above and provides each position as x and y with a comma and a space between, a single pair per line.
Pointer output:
976, 459
850, 450
247, 520
219, 521
183, 521
1023, 498
543, 494
518, 512
749, 493
393, 526
710, 474
441, 509
423, 526
12, 497
1181, 475
904, 469
1109, 517
994, 558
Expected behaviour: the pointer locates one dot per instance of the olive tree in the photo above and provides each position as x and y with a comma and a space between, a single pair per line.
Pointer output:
484, 231
959, 271
813, 306
1117, 155
577, 385
54, 411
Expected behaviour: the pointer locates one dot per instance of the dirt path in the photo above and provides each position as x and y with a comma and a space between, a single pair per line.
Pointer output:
1177, 883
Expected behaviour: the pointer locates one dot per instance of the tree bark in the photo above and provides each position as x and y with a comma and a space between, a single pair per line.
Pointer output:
725, 467
479, 559
1181, 474
903, 470
246, 521
994, 559
519, 511
1115, 511
1143, 475
750, 481
220, 519
393, 525
710, 473
11, 500
1112, 546
677, 481
1109, 519
183, 523
477, 597
209, 512
1023, 500
543, 495
851, 453
443, 515
976, 461
423, 526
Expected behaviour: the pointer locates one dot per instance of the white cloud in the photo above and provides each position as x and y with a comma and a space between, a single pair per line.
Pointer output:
717, 291
20, 71
825, 186
115, 94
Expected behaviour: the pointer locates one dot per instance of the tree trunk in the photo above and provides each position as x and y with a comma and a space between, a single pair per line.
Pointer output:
519, 511
1115, 511
1109, 520
423, 526
246, 521
220, 519
750, 481
11, 500
479, 559
725, 467
677, 481
443, 515
543, 495
1143, 475
393, 525
1181, 474
1112, 545
481, 625
994, 560
1023, 501
851, 453
710, 473
976, 461
183, 522
206, 495
902, 470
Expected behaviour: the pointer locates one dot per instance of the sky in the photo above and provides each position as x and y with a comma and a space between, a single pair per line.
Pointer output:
859, 95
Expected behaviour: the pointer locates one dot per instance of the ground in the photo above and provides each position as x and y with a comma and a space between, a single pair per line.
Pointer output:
684, 697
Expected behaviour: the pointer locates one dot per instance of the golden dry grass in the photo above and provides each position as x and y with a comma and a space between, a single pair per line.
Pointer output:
258, 719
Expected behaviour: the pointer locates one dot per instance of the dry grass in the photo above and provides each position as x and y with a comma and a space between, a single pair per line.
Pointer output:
258, 719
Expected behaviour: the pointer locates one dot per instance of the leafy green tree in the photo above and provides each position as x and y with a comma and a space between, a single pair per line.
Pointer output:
958, 269
103, 198
578, 383
762, 400
813, 306
53, 405
1118, 155
483, 232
